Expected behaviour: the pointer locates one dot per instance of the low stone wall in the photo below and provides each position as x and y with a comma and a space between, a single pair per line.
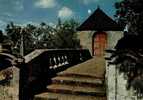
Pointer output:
9, 90
116, 85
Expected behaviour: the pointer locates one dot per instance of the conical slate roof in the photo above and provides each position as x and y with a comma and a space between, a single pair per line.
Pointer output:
99, 21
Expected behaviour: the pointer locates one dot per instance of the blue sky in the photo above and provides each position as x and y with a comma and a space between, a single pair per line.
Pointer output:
35, 11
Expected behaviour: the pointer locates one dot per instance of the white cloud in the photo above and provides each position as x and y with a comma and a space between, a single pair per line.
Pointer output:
2, 24
89, 1
51, 24
45, 3
11, 6
65, 12
7, 14
19, 5
25, 23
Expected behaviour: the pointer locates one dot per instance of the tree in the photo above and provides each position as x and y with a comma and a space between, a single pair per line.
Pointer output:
15, 32
130, 13
46, 36
128, 54
65, 36
3, 38
43, 36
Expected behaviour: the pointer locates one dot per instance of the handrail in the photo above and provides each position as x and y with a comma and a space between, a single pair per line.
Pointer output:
8, 55
43, 64
33, 55
59, 54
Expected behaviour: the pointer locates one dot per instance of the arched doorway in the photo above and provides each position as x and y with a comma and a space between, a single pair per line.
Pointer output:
99, 43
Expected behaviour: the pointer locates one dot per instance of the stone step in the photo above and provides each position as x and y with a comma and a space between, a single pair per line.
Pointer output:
76, 90
59, 96
67, 74
78, 81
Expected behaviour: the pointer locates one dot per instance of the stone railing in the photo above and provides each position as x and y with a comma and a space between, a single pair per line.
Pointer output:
59, 57
41, 65
36, 70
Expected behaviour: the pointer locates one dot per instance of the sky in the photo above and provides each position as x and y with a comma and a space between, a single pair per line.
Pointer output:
24, 12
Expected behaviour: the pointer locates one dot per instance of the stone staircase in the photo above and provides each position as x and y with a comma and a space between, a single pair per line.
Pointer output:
75, 86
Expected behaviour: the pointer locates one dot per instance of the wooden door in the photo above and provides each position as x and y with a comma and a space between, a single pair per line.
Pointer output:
99, 43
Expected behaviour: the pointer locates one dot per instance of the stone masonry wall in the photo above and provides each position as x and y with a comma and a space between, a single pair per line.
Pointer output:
10, 90
115, 81
86, 39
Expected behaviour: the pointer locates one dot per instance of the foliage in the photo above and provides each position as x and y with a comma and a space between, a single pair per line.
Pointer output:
128, 54
43, 36
130, 12
121, 11
14, 32
65, 36
3, 38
